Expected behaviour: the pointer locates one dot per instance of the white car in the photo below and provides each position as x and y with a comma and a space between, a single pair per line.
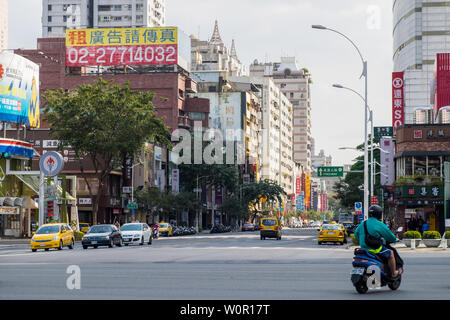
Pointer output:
136, 233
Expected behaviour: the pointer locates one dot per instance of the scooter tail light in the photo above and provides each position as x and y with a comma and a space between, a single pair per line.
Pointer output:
360, 260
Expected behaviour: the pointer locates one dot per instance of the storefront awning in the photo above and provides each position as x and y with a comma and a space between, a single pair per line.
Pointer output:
33, 183
25, 202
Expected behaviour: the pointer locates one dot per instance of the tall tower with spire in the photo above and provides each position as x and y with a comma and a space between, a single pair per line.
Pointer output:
215, 38
214, 55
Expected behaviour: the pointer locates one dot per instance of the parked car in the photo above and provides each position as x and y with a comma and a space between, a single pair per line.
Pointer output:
248, 227
165, 229
350, 227
84, 227
53, 235
102, 235
136, 233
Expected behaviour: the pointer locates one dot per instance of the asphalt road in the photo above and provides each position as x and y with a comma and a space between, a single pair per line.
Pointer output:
229, 266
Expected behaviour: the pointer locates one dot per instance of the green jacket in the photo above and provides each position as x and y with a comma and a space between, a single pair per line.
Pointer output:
375, 228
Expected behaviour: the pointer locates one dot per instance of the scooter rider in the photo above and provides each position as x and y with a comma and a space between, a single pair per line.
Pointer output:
378, 229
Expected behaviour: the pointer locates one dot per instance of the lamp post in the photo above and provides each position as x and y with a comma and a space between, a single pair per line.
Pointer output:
366, 160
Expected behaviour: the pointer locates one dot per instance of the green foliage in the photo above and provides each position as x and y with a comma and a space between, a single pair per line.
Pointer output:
78, 235
431, 235
105, 123
418, 180
412, 235
355, 241
447, 235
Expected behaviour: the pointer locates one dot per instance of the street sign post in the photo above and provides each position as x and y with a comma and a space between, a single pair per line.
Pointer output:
358, 208
132, 206
383, 132
330, 171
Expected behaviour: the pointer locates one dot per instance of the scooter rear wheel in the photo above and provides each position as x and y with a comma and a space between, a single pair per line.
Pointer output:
395, 284
361, 287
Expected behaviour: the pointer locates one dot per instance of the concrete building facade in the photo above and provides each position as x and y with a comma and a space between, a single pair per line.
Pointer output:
3, 25
59, 15
420, 32
294, 82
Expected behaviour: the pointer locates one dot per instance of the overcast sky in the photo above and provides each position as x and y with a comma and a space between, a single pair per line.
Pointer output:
268, 29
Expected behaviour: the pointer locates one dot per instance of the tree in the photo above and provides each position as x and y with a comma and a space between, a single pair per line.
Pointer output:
254, 192
105, 123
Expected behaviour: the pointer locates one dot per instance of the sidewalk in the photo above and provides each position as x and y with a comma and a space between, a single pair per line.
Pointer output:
402, 247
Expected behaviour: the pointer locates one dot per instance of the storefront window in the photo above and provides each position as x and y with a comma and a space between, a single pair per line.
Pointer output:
434, 166
408, 166
420, 165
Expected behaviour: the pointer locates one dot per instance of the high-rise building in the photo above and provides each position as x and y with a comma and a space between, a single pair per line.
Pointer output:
59, 15
420, 32
277, 163
3, 25
294, 82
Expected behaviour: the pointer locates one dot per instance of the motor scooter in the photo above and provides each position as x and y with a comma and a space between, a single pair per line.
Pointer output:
155, 233
370, 270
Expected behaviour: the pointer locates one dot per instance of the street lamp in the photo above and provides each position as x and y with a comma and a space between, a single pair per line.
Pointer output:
364, 73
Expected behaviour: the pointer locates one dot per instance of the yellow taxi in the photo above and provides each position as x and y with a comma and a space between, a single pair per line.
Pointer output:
270, 228
84, 227
331, 233
53, 235
165, 229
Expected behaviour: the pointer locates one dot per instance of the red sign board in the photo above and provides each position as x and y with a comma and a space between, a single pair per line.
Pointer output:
398, 100
374, 200
120, 56
442, 76
298, 185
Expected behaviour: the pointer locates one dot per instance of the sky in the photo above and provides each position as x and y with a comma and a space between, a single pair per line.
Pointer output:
268, 29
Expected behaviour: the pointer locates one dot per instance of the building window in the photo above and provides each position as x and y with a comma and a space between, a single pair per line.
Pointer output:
64, 18
49, 29
420, 165
434, 166
408, 166
49, 18
49, 7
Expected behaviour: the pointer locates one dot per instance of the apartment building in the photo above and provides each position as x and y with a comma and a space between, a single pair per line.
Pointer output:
277, 163
294, 82
59, 15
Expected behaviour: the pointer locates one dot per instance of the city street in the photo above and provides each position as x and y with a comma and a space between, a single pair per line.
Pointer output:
227, 266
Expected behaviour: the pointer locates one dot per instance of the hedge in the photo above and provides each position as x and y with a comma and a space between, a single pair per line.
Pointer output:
431, 235
412, 235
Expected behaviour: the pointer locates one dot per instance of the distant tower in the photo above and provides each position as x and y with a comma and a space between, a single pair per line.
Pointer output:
233, 50
215, 38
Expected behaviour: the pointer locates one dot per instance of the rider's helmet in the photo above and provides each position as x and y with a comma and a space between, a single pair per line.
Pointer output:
376, 212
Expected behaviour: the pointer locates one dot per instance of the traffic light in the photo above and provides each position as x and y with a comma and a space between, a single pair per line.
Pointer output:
5, 155
50, 208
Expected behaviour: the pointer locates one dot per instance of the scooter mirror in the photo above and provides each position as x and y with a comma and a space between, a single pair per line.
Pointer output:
400, 229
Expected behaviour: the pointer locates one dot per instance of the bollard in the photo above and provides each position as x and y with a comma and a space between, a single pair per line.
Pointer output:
444, 243
413, 244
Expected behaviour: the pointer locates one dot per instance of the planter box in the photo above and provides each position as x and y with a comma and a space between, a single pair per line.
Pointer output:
432, 243
407, 242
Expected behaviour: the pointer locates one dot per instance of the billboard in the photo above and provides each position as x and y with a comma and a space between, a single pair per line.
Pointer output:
19, 90
440, 89
387, 169
398, 100
122, 46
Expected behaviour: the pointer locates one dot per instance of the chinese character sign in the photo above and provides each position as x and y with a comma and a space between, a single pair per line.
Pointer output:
398, 112
298, 188
19, 90
122, 46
